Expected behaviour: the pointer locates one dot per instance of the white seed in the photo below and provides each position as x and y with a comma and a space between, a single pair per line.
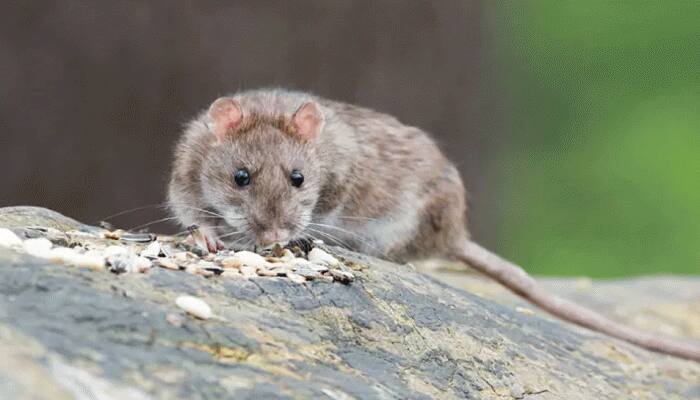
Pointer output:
194, 306
296, 278
231, 273
251, 259
111, 251
249, 272
140, 264
67, 256
9, 239
232, 262
152, 250
318, 256
39, 247
300, 263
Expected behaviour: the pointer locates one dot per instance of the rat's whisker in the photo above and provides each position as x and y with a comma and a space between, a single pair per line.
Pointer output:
359, 238
157, 205
147, 224
334, 239
358, 218
232, 233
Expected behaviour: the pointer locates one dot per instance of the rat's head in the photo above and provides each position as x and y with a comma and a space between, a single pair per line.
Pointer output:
261, 171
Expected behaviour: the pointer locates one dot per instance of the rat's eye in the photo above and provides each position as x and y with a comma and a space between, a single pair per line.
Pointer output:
242, 177
297, 178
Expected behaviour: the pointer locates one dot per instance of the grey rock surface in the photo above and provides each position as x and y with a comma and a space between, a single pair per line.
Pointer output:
393, 333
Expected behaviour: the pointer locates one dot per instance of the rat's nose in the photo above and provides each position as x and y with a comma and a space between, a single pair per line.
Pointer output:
271, 236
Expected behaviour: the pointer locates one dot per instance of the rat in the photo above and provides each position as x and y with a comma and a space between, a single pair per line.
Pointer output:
266, 166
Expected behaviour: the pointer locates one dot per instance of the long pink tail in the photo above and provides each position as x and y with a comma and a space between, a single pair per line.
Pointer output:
516, 279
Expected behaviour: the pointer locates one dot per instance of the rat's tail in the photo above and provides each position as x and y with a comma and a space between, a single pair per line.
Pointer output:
516, 279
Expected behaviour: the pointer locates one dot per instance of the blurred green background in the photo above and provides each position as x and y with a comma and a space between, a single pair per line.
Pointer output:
602, 164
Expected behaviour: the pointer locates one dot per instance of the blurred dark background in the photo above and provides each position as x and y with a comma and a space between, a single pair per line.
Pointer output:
576, 127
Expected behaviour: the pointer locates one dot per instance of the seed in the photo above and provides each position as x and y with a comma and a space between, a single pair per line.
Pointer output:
194, 306
266, 272
308, 273
152, 250
342, 276
251, 259
300, 262
185, 256
296, 278
9, 239
67, 256
114, 235
232, 262
39, 247
128, 262
167, 264
196, 269
141, 264
318, 256
231, 273
138, 237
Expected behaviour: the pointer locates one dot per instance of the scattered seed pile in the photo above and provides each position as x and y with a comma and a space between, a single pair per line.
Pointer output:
125, 252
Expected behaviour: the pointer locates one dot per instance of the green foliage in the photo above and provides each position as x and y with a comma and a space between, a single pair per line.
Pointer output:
602, 172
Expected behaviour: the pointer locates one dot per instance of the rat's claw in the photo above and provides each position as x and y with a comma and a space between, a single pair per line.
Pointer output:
213, 243
205, 239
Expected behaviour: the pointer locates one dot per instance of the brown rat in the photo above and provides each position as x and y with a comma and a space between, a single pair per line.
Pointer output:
271, 165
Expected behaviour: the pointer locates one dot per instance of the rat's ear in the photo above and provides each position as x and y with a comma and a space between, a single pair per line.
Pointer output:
308, 120
224, 115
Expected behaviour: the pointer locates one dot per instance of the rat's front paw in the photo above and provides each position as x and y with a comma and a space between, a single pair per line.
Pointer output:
205, 238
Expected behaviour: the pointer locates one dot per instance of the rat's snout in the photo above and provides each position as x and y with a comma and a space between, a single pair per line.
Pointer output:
273, 235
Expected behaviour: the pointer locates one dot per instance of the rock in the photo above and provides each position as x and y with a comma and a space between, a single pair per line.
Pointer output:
391, 333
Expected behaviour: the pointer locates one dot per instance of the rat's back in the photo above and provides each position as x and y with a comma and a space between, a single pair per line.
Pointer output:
389, 185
